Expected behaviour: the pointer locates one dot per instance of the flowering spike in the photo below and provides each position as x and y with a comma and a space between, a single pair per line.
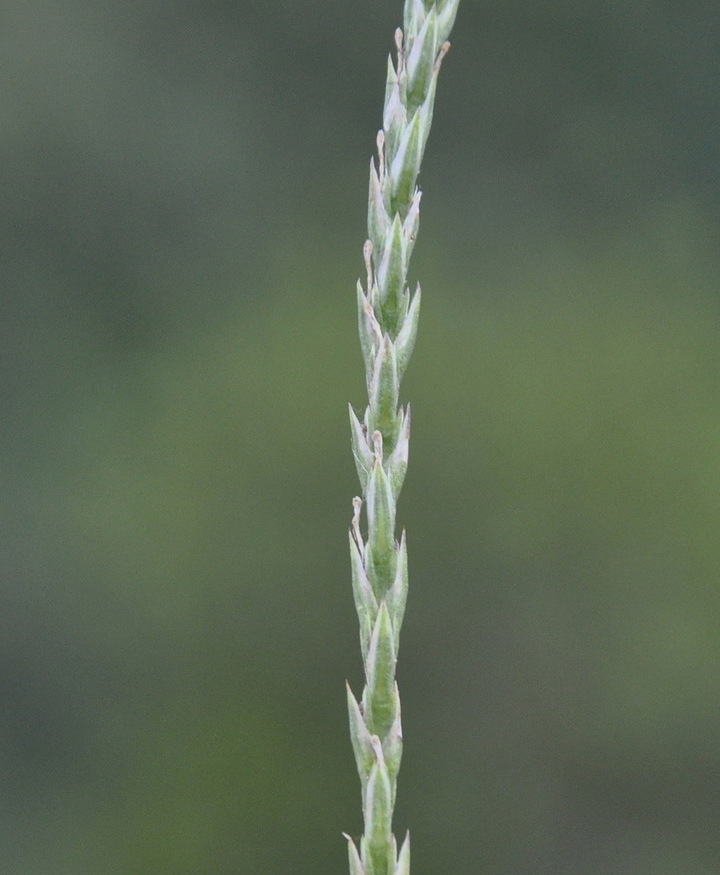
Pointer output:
387, 324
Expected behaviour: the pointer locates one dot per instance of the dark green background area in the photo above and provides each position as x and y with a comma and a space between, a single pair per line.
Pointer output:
181, 227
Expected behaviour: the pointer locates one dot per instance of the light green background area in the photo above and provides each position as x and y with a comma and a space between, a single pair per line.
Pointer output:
182, 222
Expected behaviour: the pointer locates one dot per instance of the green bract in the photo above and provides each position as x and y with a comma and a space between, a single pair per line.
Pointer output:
387, 325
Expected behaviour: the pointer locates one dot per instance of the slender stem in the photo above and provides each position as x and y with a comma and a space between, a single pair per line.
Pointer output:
387, 324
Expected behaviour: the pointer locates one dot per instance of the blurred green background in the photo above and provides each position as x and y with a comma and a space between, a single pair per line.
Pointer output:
183, 213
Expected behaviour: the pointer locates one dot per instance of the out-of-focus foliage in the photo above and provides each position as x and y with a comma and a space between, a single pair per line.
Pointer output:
181, 228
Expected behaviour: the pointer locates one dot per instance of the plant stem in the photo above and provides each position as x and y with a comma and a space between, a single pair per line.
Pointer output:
387, 323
